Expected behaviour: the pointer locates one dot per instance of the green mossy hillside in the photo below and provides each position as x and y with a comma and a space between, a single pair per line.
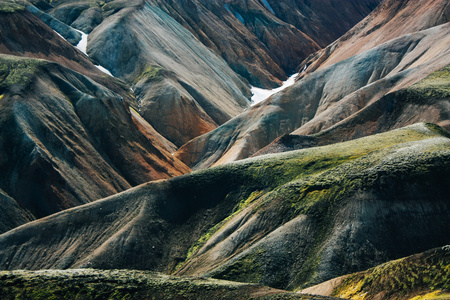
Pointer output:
316, 182
127, 284
8, 6
15, 71
420, 276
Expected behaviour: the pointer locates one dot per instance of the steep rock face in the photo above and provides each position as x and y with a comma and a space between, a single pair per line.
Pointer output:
285, 220
330, 95
66, 140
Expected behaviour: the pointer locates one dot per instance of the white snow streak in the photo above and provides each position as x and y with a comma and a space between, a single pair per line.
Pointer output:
260, 95
82, 44
104, 70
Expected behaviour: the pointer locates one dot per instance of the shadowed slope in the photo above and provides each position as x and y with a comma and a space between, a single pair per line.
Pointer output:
66, 140
22, 34
284, 220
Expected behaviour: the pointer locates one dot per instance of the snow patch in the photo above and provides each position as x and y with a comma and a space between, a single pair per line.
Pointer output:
260, 95
104, 70
268, 6
82, 45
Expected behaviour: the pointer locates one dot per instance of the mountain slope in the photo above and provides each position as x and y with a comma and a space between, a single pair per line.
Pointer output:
330, 95
389, 20
420, 276
424, 100
283, 220
67, 140
260, 44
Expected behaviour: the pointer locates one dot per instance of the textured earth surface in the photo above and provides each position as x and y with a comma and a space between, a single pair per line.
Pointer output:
286, 220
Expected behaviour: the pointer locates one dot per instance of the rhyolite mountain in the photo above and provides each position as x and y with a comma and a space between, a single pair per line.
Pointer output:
95, 168
142, 42
357, 96
285, 220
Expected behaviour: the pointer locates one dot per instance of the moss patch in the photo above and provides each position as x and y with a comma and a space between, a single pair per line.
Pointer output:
151, 73
16, 71
10, 7
124, 284
419, 274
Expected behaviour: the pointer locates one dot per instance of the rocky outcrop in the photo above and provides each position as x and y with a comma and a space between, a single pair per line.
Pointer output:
67, 140
284, 220
357, 88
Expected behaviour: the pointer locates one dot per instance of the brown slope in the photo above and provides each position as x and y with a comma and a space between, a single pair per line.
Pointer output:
66, 140
282, 220
389, 20
328, 96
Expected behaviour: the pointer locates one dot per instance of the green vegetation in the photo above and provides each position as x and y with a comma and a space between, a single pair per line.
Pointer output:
205, 237
11, 6
17, 71
247, 269
317, 182
124, 284
435, 86
408, 278
151, 73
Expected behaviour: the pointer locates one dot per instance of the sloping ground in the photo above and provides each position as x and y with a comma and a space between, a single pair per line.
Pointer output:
391, 19
196, 90
66, 140
354, 88
129, 284
426, 100
285, 220
418, 277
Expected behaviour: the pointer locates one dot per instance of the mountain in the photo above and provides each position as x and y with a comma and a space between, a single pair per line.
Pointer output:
286, 220
162, 48
260, 40
346, 94
420, 276
66, 140
126, 284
